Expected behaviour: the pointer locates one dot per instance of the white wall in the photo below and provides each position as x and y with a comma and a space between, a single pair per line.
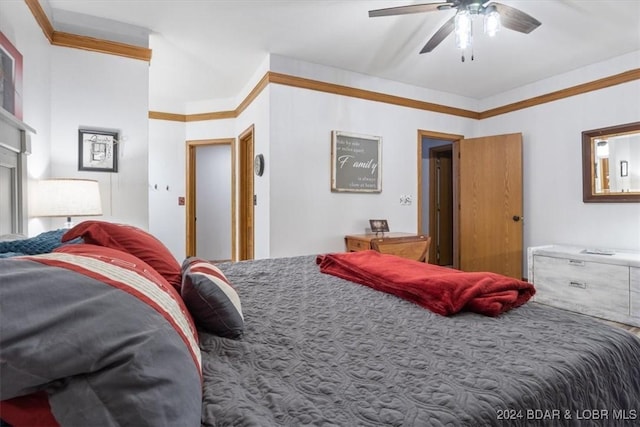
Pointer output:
167, 168
259, 115
306, 217
94, 90
553, 208
89, 89
167, 180
167, 160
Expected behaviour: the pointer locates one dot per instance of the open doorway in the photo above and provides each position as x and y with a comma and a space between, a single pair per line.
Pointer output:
435, 194
441, 204
210, 198
487, 201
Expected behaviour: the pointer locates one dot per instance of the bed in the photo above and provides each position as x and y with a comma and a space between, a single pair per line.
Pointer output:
289, 345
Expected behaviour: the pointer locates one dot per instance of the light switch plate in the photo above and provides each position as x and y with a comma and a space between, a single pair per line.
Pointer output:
405, 200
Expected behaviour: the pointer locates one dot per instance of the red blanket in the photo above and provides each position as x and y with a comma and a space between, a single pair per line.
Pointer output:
442, 290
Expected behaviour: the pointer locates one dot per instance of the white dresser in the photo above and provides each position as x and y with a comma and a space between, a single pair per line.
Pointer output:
601, 285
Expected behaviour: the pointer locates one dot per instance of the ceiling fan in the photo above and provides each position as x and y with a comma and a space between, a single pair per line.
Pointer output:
495, 16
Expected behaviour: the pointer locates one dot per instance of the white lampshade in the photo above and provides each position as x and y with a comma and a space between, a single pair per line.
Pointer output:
66, 197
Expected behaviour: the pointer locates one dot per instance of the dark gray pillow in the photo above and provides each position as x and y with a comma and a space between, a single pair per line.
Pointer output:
211, 299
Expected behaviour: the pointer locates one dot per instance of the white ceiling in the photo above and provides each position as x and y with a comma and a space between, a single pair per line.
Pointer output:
209, 49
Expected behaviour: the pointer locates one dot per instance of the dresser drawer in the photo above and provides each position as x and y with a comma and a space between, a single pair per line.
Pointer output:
354, 245
588, 287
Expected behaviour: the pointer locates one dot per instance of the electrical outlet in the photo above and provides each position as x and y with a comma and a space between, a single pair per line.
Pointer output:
405, 200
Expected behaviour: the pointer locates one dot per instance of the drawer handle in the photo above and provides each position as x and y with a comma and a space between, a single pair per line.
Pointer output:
576, 263
578, 285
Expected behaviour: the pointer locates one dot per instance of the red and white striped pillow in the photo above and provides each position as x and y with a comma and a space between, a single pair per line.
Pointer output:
211, 299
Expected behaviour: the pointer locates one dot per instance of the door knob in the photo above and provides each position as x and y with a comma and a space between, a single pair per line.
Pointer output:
517, 218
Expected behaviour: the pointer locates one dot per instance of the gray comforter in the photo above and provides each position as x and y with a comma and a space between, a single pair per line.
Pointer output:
319, 350
102, 335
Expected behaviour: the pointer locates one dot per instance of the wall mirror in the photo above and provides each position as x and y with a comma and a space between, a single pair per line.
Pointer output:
611, 164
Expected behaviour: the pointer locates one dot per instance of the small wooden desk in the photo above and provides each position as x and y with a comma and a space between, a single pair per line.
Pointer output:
408, 245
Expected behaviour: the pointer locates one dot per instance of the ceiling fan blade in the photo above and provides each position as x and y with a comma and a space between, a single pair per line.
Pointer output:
440, 35
412, 8
515, 19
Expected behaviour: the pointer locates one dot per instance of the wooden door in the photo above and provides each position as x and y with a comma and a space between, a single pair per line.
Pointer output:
246, 196
441, 205
488, 194
604, 172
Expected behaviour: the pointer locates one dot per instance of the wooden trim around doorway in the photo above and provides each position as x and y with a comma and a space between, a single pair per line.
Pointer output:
445, 137
246, 220
190, 202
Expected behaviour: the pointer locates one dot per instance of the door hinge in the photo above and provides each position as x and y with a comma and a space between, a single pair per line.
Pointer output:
255, 200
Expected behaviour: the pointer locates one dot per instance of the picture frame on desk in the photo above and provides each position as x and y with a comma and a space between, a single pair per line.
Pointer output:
379, 225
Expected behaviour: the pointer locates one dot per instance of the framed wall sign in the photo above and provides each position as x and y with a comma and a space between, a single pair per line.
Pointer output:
355, 162
97, 150
10, 78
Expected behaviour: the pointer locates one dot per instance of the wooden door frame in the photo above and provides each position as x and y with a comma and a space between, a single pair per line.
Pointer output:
190, 202
246, 191
444, 137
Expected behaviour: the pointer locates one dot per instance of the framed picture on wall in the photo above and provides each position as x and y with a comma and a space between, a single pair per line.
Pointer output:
97, 150
355, 162
10, 77
624, 168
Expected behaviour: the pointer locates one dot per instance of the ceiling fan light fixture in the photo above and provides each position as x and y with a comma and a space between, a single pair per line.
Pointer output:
463, 29
491, 21
495, 15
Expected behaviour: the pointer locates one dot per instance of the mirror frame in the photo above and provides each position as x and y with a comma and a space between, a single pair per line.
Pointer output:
588, 196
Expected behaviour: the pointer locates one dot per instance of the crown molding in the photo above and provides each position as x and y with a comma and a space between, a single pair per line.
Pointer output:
158, 115
303, 83
603, 83
60, 38
368, 95
98, 45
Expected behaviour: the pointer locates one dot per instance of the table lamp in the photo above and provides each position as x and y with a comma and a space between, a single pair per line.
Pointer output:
66, 197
